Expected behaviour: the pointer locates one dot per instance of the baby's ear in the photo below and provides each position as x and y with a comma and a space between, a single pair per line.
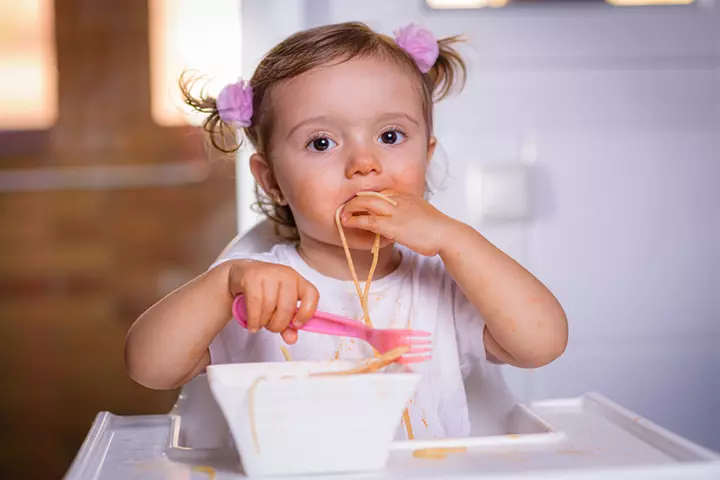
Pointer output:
432, 143
265, 177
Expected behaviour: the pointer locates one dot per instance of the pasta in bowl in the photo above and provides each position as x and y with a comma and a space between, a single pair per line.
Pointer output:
312, 417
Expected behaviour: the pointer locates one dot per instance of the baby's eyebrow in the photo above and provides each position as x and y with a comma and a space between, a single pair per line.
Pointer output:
391, 115
319, 118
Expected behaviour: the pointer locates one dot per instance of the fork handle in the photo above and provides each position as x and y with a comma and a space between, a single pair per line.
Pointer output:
321, 322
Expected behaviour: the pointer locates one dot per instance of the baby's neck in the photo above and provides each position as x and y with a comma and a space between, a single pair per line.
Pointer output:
330, 260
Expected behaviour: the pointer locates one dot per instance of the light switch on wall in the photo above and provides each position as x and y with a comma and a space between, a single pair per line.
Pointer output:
498, 192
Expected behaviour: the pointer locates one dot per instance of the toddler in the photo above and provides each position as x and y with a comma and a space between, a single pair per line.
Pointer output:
332, 112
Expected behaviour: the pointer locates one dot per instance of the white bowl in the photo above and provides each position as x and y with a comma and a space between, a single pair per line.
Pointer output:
304, 424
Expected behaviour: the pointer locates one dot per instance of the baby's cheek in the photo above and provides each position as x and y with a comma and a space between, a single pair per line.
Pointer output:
310, 202
411, 179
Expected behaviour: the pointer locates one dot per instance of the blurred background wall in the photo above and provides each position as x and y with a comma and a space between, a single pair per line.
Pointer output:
606, 119
103, 209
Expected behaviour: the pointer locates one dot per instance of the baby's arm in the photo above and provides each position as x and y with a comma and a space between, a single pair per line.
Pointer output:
525, 324
168, 344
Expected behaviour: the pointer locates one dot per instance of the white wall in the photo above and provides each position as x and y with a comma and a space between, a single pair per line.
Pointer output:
621, 108
264, 24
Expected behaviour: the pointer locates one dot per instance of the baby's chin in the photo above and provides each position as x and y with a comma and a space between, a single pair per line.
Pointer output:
362, 240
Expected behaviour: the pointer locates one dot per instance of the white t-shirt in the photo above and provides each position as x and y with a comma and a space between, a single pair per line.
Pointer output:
419, 294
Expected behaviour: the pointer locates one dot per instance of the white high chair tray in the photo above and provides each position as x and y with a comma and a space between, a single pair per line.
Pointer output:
590, 437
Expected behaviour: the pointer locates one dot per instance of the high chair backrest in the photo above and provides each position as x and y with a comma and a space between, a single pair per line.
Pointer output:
260, 238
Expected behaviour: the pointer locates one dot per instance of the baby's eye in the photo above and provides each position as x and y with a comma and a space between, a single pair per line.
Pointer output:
392, 137
321, 144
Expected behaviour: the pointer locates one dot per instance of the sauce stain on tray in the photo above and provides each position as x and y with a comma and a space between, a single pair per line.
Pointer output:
209, 470
438, 453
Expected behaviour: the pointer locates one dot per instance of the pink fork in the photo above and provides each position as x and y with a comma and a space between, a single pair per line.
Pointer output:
383, 340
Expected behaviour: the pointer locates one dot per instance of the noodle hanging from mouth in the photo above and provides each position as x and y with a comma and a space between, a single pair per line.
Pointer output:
364, 293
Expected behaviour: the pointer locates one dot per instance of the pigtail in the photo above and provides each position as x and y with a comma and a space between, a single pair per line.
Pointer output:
449, 72
220, 135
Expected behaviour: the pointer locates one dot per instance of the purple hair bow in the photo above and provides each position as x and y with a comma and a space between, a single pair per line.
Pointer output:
420, 43
235, 104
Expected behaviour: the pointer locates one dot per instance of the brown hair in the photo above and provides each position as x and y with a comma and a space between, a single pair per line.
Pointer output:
304, 51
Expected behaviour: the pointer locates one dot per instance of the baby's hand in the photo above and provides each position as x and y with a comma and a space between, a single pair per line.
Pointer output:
414, 222
271, 294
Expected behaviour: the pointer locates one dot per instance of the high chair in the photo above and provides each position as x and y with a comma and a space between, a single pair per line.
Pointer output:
582, 437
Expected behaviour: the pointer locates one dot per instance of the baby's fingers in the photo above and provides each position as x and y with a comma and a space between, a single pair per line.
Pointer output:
367, 204
309, 298
372, 223
289, 335
254, 302
285, 308
269, 303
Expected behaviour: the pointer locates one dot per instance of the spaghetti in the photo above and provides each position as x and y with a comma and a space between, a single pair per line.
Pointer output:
363, 293
370, 365
251, 413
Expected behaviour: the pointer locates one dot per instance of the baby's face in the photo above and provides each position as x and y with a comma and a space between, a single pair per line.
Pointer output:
343, 129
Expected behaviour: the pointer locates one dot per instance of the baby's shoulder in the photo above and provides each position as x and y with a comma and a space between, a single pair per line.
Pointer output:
277, 254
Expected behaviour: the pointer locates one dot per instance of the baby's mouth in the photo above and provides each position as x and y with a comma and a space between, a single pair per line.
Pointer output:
387, 192
360, 192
